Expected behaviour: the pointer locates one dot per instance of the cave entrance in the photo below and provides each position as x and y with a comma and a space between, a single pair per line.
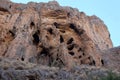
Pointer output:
36, 38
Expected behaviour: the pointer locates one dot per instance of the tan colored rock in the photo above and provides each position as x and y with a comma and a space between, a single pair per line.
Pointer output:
46, 33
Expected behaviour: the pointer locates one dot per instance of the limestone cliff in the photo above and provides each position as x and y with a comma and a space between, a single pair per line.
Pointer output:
49, 34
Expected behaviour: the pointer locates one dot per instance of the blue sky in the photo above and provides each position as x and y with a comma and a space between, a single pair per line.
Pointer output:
107, 10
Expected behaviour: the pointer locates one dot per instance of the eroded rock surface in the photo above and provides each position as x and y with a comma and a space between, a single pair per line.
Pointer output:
49, 34
111, 58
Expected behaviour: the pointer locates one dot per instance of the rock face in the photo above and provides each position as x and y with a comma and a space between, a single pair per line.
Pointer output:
111, 58
48, 34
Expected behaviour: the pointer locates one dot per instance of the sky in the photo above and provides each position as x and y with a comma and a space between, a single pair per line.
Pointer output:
107, 10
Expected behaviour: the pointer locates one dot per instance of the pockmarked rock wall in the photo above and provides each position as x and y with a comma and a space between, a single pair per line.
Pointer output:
49, 34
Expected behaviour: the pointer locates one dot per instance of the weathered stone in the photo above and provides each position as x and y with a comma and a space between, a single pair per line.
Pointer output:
111, 58
46, 33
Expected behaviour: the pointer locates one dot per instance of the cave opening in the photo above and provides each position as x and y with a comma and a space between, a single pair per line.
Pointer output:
80, 49
83, 54
89, 57
78, 31
50, 31
56, 24
70, 47
102, 61
68, 14
44, 52
36, 38
70, 41
71, 53
72, 26
12, 33
32, 24
61, 39
22, 58
93, 62
80, 56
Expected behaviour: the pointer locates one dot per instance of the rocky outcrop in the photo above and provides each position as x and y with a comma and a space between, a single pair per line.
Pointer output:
111, 58
48, 34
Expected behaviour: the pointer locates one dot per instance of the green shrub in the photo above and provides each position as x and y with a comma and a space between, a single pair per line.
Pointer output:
111, 76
